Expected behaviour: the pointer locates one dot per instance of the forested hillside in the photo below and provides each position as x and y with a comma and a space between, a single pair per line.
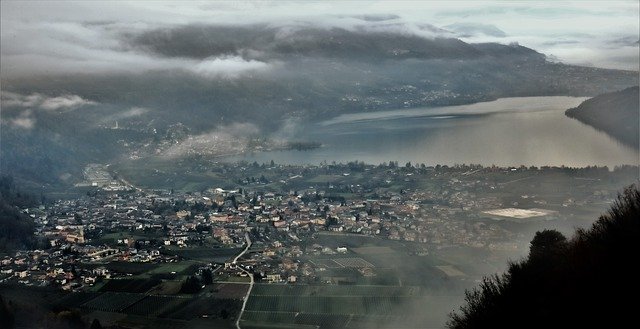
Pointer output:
614, 113
588, 281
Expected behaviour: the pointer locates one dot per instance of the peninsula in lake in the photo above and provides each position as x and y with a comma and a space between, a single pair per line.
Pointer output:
614, 113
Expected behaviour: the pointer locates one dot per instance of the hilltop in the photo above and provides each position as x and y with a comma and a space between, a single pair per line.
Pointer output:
614, 113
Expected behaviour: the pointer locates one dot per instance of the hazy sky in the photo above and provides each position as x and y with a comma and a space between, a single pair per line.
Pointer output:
86, 36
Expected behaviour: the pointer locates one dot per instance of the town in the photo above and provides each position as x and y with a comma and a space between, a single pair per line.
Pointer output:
308, 226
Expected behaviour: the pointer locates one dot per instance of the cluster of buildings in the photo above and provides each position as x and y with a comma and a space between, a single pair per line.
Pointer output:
78, 237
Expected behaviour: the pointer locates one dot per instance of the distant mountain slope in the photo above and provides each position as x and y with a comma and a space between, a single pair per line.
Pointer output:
16, 228
585, 282
53, 124
616, 114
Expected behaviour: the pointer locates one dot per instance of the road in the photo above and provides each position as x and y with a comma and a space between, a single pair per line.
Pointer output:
246, 298
246, 237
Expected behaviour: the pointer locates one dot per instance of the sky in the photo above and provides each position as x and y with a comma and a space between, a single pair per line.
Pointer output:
58, 37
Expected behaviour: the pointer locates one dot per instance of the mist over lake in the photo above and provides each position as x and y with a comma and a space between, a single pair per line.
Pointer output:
506, 132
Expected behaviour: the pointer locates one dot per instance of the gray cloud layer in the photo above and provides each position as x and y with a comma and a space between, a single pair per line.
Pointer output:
40, 38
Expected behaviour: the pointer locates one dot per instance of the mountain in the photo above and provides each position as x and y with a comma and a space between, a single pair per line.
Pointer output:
53, 124
16, 228
473, 29
585, 282
616, 113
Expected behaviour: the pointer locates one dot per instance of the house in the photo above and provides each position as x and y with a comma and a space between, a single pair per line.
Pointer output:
271, 278
100, 271
280, 224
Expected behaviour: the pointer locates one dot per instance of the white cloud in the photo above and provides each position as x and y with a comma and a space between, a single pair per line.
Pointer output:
64, 102
126, 114
133, 112
24, 121
75, 48
9, 99
226, 66
39, 101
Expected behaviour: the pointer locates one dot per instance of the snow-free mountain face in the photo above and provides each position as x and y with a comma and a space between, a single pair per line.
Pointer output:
113, 83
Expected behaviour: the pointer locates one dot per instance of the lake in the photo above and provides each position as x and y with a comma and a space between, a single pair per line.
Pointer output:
505, 132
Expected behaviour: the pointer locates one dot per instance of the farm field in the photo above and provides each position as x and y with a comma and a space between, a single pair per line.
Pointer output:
144, 322
129, 285
152, 306
205, 254
339, 306
112, 301
374, 261
166, 288
130, 268
75, 299
223, 308
334, 290
227, 290
132, 310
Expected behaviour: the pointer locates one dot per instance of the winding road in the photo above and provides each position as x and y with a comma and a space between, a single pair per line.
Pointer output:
246, 297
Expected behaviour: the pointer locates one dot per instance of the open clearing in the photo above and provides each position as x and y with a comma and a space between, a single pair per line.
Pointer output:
519, 213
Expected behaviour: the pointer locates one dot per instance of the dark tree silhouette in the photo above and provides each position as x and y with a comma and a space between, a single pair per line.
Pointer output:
207, 276
547, 243
16, 228
586, 282
191, 285
95, 324
7, 318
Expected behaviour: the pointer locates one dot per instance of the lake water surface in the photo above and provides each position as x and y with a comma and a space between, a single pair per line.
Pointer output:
506, 132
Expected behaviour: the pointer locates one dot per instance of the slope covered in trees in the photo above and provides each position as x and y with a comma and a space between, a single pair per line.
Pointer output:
16, 228
617, 114
588, 281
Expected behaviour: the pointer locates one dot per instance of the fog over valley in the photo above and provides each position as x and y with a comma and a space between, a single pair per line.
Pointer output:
164, 75
311, 164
